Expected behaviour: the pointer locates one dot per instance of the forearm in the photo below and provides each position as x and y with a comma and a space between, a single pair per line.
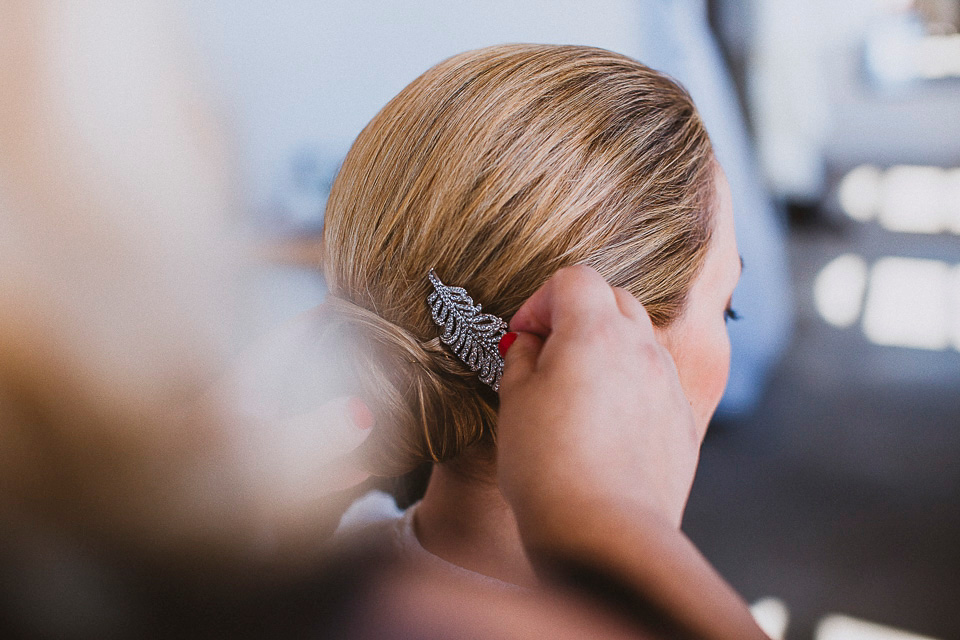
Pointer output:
660, 577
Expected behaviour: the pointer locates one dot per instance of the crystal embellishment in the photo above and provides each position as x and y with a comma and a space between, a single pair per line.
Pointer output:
473, 336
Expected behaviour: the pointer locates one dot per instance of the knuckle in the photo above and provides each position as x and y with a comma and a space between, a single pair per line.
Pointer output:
649, 352
577, 272
582, 290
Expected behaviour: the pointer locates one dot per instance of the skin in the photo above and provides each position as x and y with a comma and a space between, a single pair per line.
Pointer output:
598, 447
221, 491
698, 340
464, 518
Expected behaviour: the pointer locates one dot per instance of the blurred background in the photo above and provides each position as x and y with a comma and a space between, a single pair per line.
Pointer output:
829, 488
829, 485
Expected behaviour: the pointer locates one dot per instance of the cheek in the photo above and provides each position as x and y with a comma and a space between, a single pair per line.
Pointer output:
719, 366
703, 362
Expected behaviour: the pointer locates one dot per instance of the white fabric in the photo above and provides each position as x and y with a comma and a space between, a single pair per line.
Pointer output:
370, 508
376, 512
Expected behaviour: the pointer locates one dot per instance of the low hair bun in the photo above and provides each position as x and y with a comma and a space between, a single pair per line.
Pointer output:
497, 168
428, 407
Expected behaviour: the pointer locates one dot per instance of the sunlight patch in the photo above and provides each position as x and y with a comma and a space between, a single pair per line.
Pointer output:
904, 198
837, 627
909, 304
838, 290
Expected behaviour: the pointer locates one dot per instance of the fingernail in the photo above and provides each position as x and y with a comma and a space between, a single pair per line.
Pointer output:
360, 414
505, 343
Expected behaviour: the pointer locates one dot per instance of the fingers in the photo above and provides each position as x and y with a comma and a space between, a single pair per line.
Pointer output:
573, 296
313, 444
631, 307
336, 428
343, 424
520, 360
576, 299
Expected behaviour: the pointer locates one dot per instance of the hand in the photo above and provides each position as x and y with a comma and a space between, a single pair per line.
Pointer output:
597, 450
296, 458
591, 408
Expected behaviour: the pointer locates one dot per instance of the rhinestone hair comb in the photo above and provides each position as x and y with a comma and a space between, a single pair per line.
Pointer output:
473, 336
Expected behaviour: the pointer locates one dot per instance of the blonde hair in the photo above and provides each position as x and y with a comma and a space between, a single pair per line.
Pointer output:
498, 167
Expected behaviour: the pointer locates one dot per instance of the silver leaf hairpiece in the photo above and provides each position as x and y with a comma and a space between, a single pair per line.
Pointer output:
473, 336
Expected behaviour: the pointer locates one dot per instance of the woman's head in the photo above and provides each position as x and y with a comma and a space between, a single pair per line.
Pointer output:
496, 168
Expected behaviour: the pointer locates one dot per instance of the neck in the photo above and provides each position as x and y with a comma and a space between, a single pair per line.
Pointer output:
464, 519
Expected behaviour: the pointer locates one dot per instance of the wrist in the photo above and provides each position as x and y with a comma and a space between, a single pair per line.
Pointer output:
642, 553
584, 524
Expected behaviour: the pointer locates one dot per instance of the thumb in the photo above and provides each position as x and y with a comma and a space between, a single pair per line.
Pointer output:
321, 444
340, 426
520, 351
